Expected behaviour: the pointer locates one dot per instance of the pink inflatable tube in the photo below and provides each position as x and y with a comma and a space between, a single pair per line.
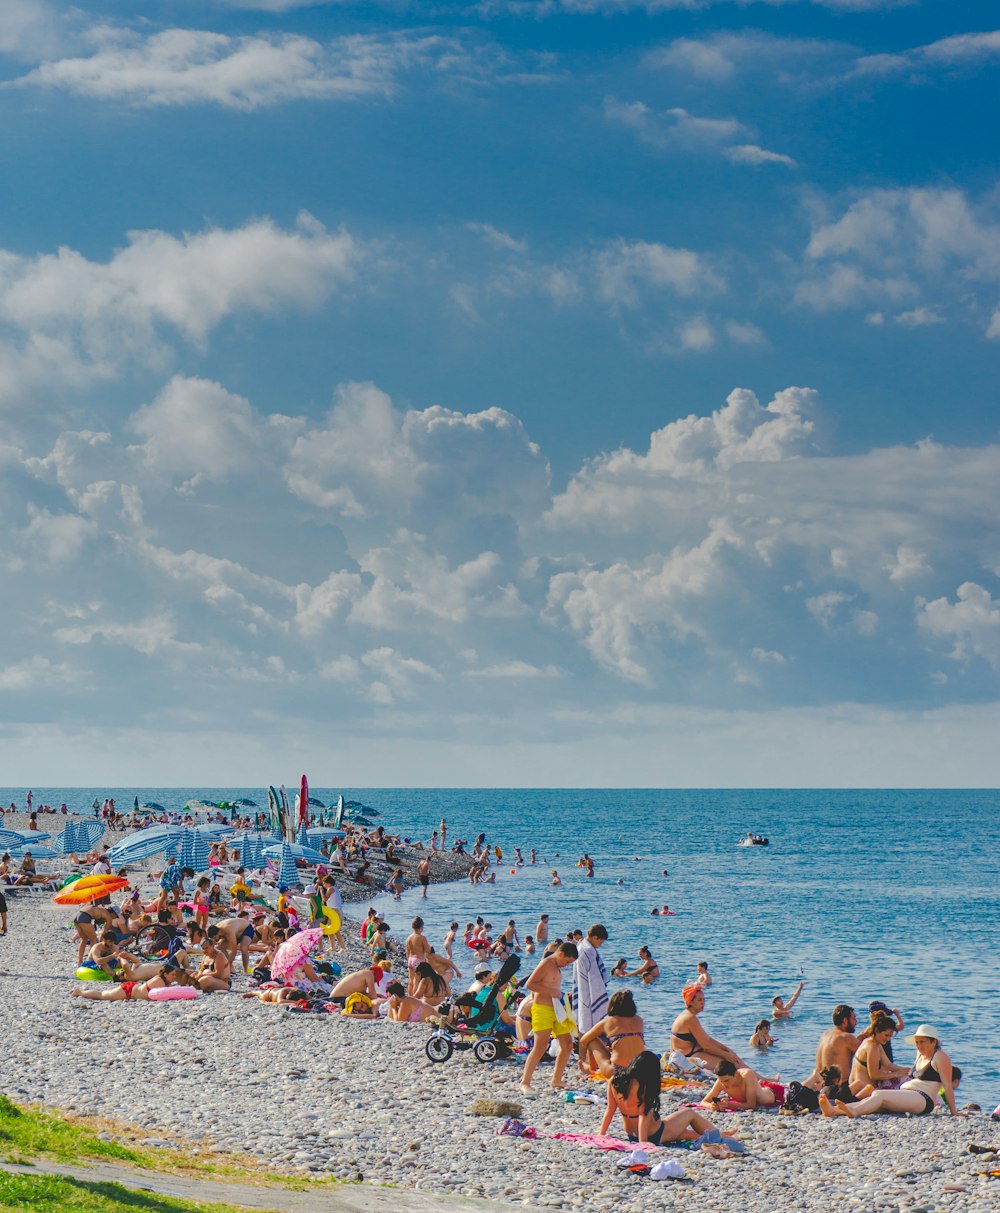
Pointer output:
169, 993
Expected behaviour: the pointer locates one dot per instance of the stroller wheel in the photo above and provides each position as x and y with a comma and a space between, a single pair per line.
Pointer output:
486, 1049
439, 1048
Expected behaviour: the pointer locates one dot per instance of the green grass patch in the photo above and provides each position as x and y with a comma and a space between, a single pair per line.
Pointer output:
54, 1194
28, 1132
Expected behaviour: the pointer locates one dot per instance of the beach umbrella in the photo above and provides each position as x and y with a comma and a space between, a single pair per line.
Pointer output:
15, 837
198, 851
36, 852
318, 834
213, 830
154, 840
68, 842
293, 951
303, 837
288, 873
297, 851
89, 888
88, 832
79, 836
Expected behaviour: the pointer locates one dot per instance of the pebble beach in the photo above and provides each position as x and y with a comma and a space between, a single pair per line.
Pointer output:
359, 1100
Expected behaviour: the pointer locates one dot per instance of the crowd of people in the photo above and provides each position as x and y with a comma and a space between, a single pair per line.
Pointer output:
216, 925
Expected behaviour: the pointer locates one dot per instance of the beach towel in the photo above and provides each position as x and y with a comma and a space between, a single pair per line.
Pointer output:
590, 987
599, 1141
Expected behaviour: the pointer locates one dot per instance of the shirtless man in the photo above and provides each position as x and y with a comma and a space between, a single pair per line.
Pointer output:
424, 875
364, 981
836, 1047
509, 936
234, 935
783, 1009
417, 950
545, 983
542, 930
740, 1089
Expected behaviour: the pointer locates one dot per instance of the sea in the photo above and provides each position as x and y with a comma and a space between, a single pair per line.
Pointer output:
881, 894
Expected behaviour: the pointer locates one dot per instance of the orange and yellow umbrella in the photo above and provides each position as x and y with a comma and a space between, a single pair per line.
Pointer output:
89, 888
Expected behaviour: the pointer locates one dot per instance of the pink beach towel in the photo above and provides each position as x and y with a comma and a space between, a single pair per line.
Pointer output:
598, 1140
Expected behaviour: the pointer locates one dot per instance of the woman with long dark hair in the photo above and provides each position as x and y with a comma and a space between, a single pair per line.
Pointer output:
635, 1093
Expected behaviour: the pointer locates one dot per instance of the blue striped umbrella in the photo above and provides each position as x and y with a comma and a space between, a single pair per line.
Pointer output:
199, 851
154, 840
303, 838
68, 842
297, 851
288, 873
89, 832
14, 836
36, 851
259, 860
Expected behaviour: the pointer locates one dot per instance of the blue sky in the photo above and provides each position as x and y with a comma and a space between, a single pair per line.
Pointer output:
572, 392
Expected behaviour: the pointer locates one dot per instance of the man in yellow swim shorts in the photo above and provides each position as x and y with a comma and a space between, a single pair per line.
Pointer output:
545, 983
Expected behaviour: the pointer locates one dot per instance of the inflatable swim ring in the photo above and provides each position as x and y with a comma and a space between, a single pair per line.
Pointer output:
170, 993
87, 973
331, 921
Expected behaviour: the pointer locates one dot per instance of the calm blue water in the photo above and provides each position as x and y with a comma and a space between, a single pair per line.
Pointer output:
867, 894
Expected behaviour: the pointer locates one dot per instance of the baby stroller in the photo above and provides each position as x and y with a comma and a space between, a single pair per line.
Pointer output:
480, 1031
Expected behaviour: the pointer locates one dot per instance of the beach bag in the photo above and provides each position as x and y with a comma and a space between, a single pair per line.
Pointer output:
800, 1099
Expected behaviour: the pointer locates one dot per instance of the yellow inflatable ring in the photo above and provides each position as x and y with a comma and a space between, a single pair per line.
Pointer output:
331, 921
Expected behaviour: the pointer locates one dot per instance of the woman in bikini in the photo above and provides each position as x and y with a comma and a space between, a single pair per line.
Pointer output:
648, 971
136, 991
871, 1069
200, 900
932, 1077
635, 1093
430, 987
622, 1029
689, 1038
403, 1009
216, 973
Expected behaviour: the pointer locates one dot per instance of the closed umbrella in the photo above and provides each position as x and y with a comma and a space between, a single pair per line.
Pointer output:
288, 873
88, 832
68, 842
89, 888
293, 952
184, 851
199, 851
303, 837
